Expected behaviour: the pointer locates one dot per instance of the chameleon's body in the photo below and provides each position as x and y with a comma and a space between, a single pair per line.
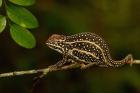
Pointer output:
86, 49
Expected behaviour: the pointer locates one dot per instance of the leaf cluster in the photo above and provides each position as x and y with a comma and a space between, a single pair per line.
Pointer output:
20, 20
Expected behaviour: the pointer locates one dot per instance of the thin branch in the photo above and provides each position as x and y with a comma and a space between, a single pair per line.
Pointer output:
136, 62
43, 71
48, 69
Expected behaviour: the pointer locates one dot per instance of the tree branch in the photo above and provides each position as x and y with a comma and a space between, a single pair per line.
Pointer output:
48, 69
43, 71
136, 62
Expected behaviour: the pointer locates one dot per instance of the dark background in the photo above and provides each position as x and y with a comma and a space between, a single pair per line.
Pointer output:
117, 21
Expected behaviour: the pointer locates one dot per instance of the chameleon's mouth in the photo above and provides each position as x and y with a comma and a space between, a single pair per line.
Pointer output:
54, 47
49, 44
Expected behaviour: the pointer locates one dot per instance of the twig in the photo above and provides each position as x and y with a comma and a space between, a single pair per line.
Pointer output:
48, 69
136, 62
44, 71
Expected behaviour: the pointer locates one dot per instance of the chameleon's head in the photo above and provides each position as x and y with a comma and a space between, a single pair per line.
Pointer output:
55, 42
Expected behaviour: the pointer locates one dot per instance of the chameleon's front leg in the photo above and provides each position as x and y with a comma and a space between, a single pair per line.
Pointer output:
85, 66
60, 63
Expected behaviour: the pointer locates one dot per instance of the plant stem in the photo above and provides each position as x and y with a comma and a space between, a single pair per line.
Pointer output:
43, 71
46, 70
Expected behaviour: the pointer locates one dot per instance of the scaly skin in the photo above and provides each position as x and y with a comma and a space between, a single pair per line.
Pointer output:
86, 49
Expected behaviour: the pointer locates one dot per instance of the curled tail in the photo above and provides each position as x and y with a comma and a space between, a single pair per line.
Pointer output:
127, 60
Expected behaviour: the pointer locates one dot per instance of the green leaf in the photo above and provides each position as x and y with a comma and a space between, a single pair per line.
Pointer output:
0, 3
21, 16
22, 36
2, 23
23, 2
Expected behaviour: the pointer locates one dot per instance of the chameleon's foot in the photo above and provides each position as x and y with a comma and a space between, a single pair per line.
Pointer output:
85, 66
54, 67
58, 65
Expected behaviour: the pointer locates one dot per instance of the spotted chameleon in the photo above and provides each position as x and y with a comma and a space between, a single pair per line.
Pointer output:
86, 49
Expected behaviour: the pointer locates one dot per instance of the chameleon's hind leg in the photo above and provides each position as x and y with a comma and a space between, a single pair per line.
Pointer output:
85, 66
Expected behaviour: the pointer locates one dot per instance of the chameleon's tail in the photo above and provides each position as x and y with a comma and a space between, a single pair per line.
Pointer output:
127, 60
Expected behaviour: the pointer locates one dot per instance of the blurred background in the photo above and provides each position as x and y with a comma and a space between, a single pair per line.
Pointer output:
117, 21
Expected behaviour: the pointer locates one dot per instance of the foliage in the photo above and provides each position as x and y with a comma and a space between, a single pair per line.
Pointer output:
2, 23
19, 20
23, 2
0, 3
22, 36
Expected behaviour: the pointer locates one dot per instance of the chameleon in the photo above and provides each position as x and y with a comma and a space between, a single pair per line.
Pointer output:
86, 49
